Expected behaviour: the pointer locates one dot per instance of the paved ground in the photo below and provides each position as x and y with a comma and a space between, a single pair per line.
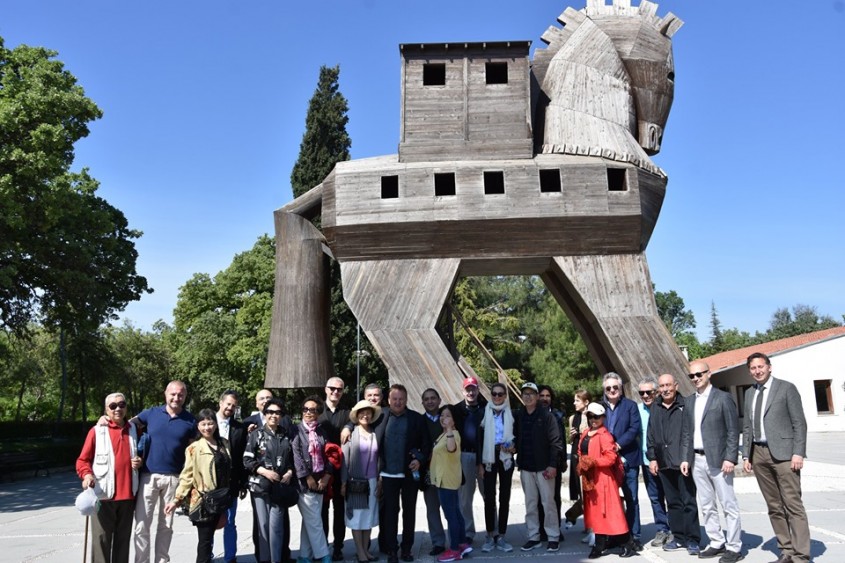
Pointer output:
38, 521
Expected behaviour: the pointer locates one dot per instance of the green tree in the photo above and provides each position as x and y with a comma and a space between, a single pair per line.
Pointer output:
802, 319
325, 141
222, 326
66, 255
716, 343
671, 308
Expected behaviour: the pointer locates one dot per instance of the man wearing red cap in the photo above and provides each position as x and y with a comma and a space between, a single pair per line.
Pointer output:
468, 416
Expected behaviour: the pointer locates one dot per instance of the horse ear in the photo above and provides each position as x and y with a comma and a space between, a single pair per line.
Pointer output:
670, 24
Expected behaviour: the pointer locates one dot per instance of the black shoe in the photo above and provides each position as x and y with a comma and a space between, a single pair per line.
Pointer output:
637, 546
436, 550
530, 544
407, 557
731, 557
337, 554
596, 552
553, 546
392, 558
711, 552
628, 551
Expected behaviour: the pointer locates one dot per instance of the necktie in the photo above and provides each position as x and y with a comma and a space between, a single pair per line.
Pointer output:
758, 413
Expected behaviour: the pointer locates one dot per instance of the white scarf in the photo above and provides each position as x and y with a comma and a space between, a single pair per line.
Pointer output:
488, 448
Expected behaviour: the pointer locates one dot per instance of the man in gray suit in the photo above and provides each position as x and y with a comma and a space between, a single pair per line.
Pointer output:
774, 444
710, 448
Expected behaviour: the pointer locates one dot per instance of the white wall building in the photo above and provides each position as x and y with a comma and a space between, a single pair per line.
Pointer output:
814, 362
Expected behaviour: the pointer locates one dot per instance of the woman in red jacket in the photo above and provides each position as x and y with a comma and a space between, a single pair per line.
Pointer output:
601, 473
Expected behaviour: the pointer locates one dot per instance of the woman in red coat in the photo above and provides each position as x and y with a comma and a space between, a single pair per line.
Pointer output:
601, 473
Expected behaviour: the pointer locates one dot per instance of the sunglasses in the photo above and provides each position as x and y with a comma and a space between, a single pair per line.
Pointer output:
698, 374
497, 394
610, 388
310, 410
334, 389
646, 393
591, 416
120, 405
273, 412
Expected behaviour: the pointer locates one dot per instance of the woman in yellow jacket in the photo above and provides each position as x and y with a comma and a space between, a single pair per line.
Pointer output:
208, 466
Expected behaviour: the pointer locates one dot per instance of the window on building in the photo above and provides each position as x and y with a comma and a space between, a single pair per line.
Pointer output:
496, 73
444, 184
824, 397
434, 74
494, 183
616, 180
389, 187
550, 180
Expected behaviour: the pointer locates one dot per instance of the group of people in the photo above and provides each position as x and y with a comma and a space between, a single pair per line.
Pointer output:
362, 467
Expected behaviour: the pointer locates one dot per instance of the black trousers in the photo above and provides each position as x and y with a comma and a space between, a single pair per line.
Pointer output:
392, 490
111, 529
681, 506
338, 517
504, 477
205, 536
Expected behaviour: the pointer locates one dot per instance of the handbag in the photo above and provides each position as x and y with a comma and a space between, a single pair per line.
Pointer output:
258, 485
216, 501
358, 486
283, 494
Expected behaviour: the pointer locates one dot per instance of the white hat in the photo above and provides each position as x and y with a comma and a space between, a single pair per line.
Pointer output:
361, 405
596, 409
87, 502
529, 385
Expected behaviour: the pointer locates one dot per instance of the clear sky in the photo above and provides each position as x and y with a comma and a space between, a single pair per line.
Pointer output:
204, 108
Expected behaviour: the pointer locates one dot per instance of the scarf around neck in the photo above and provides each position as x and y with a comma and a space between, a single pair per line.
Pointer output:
488, 448
314, 449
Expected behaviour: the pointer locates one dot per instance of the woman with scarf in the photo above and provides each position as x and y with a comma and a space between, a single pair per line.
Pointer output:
268, 459
495, 459
208, 466
314, 472
359, 477
601, 472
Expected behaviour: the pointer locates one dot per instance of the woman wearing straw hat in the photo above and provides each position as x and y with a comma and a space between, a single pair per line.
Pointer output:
359, 477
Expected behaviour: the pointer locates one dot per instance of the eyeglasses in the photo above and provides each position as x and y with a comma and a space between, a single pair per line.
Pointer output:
646, 393
120, 405
310, 410
495, 394
334, 389
273, 412
610, 388
698, 374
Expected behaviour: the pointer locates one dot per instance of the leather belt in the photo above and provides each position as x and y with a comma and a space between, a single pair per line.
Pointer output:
764, 444
699, 452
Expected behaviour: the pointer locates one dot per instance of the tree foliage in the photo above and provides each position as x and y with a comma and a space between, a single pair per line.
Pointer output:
66, 255
671, 308
802, 319
325, 141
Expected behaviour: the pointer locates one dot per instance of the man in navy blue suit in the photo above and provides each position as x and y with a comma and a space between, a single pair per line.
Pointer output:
623, 422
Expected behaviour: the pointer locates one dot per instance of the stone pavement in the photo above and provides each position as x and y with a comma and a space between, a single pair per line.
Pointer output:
38, 521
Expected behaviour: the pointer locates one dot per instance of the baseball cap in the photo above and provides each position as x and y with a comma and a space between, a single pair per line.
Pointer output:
470, 381
529, 385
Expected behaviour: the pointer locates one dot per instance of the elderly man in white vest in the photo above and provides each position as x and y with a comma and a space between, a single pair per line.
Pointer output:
109, 463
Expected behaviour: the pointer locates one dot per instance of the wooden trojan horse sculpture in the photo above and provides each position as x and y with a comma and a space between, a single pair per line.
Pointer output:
505, 167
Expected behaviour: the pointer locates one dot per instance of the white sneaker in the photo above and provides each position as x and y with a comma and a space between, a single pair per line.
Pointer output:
502, 545
488, 545
589, 539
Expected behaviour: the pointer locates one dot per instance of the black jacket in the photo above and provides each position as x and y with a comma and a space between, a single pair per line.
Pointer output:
663, 437
547, 444
269, 450
418, 445
460, 411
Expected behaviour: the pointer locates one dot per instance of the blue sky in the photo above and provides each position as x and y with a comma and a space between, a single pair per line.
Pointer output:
204, 108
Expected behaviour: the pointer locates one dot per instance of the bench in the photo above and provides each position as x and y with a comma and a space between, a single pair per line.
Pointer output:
13, 462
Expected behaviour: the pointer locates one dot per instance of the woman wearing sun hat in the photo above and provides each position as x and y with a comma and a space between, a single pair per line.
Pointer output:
601, 473
359, 477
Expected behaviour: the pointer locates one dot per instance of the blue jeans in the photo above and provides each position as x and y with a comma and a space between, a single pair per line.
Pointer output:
230, 533
654, 487
630, 489
450, 503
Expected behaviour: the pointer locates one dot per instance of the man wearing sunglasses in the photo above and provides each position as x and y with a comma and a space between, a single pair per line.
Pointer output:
333, 421
653, 486
710, 448
623, 422
110, 452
